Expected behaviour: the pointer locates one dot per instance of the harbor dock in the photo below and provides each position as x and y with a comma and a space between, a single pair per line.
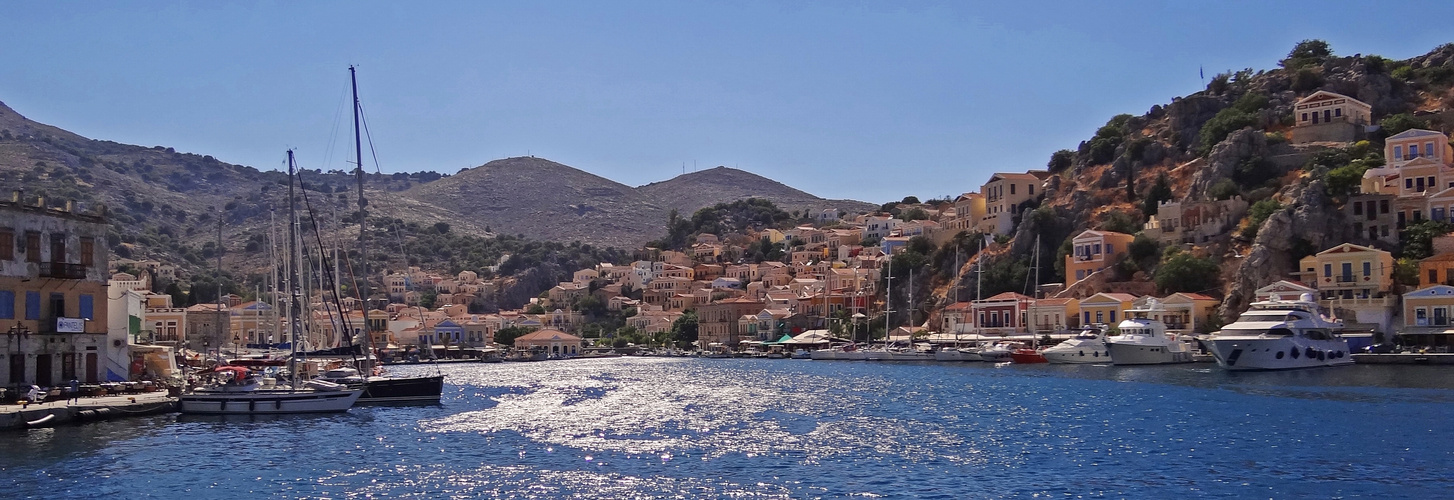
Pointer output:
1407, 358
86, 409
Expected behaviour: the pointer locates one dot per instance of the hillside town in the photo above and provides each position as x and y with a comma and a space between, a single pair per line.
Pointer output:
69, 317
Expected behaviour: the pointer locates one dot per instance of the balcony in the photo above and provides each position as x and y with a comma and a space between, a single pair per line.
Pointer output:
62, 270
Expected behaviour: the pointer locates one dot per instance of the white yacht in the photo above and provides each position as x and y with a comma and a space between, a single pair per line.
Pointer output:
1280, 335
999, 352
1088, 346
1143, 341
957, 354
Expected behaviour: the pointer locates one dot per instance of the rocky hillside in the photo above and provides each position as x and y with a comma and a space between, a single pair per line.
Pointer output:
166, 205
1226, 141
547, 200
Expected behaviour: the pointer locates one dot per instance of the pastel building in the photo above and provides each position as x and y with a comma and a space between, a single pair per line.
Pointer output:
1093, 251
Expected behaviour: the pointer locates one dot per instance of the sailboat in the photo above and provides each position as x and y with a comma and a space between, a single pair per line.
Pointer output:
366, 375
1031, 355
240, 390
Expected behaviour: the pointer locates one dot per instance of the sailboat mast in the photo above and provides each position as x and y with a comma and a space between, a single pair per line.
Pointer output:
294, 267
362, 214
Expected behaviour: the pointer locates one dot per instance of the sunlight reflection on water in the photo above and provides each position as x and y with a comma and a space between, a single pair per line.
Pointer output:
691, 428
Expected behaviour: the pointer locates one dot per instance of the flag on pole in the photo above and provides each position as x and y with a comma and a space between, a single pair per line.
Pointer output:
1202, 72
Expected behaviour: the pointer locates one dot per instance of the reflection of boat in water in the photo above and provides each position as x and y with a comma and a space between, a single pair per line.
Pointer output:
1144, 341
1089, 346
1280, 335
236, 390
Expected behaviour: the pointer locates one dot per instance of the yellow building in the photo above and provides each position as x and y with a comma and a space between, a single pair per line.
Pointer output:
1105, 308
1417, 143
1093, 251
1188, 312
1437, 270
1053, 315
1002, 194
1349, 271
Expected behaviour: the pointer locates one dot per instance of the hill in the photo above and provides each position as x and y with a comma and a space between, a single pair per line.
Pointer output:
547, 200
690, 192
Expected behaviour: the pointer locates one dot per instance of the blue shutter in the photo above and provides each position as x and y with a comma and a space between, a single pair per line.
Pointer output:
87, 307
32, 305
7, 304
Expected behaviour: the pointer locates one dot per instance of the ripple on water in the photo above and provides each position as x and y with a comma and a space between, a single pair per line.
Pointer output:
777, 429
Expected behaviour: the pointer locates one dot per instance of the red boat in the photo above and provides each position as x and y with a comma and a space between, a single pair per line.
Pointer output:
1027, 355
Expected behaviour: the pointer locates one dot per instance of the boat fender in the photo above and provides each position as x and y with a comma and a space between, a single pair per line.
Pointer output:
86, 414
104, 413
42, 421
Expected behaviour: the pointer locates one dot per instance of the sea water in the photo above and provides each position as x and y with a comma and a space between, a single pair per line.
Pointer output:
756, 428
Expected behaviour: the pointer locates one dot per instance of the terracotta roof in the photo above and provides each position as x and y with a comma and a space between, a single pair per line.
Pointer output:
1052, 302
548, 334
1008, 296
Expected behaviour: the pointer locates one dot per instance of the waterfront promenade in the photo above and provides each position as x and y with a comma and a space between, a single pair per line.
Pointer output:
14, 416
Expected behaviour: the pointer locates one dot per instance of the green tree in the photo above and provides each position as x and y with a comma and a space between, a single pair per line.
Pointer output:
426, 299
535, 308
1061, 160
684, 329
1257, 214
1183, 272
507, 335
910, 200
1394, 124
1160, 191
1120, 222
1406, 271
1418, 239
1305, 53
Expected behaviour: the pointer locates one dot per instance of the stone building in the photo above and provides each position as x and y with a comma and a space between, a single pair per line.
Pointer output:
53, 300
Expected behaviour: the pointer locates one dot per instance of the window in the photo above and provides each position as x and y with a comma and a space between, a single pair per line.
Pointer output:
1100, 317
1305, 117
1327, 270
1367, 268
87, 306
1429, 149
1338, 112
1433, 275
1398, 152
32, 246
1087, 317
58, 304
1012, 189
1383, 206
1113, 316
7, 304
88, 252
1358, 208
1413, 150
1408, 183
1031, 187
1110, 248
7, 243
32, 305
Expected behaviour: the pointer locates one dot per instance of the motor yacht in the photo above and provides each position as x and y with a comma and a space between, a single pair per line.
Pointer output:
999, 352
1088, 346
1280, 335
1143, 341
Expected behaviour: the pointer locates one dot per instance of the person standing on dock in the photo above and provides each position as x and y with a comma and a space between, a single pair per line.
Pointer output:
75, 391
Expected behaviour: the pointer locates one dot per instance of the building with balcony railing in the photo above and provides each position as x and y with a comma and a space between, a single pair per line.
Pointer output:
1355, 281
53, 300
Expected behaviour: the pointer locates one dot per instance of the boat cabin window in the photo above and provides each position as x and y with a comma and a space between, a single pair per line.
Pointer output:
1316, 334
1279, 332
1271, 316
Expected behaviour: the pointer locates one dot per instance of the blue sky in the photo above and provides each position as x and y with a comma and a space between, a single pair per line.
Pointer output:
865, 100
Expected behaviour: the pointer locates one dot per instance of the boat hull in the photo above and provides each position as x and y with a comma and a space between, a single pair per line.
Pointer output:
1146, 354
1027, 356
267, 402
402, 390
822, 354
954, 355
907, 356
995, 356
1285, 353
1078, 356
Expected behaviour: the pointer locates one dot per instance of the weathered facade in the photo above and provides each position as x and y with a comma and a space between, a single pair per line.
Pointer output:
53, 301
